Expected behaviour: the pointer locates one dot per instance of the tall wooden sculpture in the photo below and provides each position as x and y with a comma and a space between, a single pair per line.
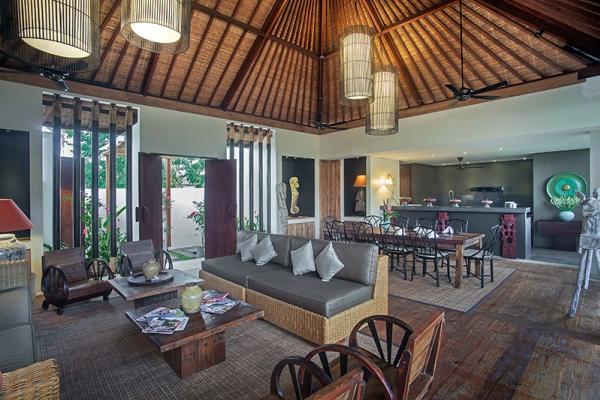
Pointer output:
589, 245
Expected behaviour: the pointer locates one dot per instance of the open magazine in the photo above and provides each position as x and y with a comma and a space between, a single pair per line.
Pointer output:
215, 302
164, 321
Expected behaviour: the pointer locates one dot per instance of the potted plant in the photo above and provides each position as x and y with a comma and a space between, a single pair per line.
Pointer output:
197, 216
566, 205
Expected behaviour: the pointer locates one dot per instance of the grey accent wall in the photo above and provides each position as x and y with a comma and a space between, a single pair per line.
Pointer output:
515, 176
545, 165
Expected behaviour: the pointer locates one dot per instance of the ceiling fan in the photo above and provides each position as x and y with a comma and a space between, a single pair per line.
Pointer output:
465, 93
462, 166
56, 76
324, 125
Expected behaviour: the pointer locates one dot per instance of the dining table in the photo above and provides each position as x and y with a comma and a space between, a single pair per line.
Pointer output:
456, 242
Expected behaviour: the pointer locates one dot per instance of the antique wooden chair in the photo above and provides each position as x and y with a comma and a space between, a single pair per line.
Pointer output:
135, 254
67, 278
349, 387
409, 359
337, 360
303, 374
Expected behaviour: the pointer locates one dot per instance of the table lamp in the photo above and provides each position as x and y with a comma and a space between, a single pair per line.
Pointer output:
12, 219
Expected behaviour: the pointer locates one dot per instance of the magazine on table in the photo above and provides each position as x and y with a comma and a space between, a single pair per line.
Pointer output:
215, 302
164, 321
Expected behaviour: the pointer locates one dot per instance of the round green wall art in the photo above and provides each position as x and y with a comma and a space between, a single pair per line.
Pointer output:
565, 184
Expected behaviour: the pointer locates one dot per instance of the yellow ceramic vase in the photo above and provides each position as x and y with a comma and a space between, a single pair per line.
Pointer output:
191, 298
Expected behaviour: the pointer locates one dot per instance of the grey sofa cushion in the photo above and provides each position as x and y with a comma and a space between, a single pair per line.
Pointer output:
303, 259
360, 260
15, 307
17, 348
309, 292
263, 252
282, 246
235, 270
328, 264
246, 248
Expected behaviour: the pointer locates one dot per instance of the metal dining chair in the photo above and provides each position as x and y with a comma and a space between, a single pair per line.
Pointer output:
486, 253
374, 220
337, 231
425, 249
393, 244
428, 223
327, 226
458, 225
363, 232
400, 221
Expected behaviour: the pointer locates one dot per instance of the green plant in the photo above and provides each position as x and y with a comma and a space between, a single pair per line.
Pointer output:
197, 215
250, 224
566, 203
103, 231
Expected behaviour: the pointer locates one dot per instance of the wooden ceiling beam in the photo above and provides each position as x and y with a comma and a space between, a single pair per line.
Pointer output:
152, 62
109, 15
262, 33
115, 69
133, 67
258, 44
106, 51
569, 33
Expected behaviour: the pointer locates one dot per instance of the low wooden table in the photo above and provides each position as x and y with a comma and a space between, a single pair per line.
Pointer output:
145, 295
202, 343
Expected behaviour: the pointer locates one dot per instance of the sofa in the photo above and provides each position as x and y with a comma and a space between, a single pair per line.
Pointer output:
16, 329
320, 312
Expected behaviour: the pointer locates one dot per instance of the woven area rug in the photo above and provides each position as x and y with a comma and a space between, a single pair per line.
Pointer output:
424, 290
103, 356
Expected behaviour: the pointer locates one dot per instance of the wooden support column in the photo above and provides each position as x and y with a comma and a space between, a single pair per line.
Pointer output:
95, 188
77, 173
112, 178
269, 182
241, 179
129, 173
168, 194
251, 177
261, 222
56, 145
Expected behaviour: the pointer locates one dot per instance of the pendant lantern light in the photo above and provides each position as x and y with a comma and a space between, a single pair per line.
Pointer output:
161, 26
61, 35
382, 110
356, 60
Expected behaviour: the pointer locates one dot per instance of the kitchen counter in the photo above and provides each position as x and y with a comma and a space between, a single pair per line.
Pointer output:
502, 210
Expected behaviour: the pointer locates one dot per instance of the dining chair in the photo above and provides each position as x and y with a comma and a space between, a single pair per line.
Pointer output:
486, 253
394, 245
363, 232
458, 225
425, 249
374, 220
327, 226
428, 223
400, 221
337, 231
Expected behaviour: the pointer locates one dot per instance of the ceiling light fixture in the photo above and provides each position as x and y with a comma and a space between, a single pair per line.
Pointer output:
356, 61
382, 110
161, 26
55, 34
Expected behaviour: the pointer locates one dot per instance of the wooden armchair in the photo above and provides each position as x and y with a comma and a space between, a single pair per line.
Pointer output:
135, 254
67, 278
348, 387
410, 367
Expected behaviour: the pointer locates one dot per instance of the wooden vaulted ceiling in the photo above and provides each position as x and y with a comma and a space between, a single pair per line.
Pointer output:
275, 61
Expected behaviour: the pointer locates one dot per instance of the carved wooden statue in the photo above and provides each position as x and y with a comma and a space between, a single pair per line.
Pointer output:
282, 211
294, 186
589, 245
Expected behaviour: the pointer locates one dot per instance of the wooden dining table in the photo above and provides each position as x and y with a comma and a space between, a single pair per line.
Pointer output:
456, 242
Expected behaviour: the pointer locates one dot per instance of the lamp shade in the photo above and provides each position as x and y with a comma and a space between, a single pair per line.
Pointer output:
12, 219
356, 60
57, 34
382, 111
360, 181
161, 26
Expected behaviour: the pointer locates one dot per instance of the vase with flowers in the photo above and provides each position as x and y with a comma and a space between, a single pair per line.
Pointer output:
566, 205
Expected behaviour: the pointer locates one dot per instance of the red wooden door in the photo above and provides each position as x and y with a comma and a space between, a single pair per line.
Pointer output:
149, 212
220, 208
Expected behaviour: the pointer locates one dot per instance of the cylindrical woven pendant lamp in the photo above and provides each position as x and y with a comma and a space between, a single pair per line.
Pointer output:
61, 35
161, 26
382, 110
356, 60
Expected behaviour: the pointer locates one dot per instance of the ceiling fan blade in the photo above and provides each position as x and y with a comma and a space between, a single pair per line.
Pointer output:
490, 87
453, 89
485, 97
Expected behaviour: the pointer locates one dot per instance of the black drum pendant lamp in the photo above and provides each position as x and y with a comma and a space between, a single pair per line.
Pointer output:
61, 35
161, 26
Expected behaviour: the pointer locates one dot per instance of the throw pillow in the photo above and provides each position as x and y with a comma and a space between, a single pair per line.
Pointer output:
242, 236
328, 264
303, 259
246, 248
264, 251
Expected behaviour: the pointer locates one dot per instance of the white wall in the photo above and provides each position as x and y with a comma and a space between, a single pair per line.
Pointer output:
22, 110
378, 169
594, 160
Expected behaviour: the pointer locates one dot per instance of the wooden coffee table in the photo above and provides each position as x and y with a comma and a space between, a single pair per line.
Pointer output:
202, 344
145, 295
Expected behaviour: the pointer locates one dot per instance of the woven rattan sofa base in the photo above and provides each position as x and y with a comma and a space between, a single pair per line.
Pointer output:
35, 382
316, 328
223, 285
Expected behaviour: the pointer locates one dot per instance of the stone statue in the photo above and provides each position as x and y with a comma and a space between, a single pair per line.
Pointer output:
282, 211
589, 245
294, 186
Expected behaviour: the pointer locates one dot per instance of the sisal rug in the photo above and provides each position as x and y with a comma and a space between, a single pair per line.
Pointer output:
103, 356
424, 290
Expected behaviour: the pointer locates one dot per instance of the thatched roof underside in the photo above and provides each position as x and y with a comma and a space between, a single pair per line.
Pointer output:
277, 59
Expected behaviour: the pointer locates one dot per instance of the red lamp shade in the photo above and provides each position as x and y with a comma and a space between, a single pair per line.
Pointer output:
12, 219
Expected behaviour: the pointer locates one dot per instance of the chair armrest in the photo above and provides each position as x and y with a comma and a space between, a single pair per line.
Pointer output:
93, 272
52, 279
126, 266
167, 262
